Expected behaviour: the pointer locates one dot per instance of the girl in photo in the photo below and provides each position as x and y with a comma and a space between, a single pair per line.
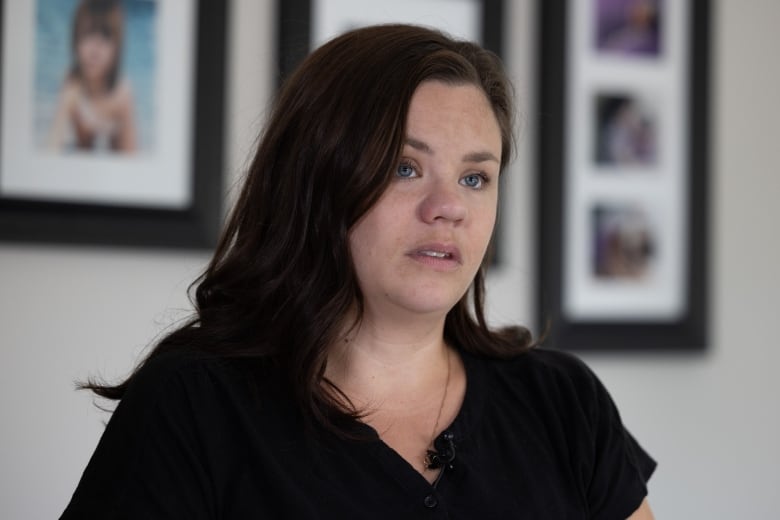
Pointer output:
95, 108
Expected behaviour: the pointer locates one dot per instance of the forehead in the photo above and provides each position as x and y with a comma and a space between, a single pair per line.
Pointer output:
457, 113
445, 93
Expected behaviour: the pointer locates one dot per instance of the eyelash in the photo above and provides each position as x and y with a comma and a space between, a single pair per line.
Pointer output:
484, 179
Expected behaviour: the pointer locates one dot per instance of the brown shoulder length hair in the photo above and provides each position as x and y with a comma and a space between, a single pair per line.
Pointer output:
281, 283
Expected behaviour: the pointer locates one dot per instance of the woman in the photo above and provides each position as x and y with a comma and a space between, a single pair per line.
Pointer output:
95, 108
339, 365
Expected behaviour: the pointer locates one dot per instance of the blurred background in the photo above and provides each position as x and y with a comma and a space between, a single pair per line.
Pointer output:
711, 419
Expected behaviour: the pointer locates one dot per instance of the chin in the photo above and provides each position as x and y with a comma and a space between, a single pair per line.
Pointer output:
432, 304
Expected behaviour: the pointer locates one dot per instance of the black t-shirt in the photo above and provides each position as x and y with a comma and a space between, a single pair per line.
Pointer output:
536, 437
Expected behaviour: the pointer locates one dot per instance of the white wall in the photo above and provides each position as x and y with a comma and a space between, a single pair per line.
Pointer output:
712, 421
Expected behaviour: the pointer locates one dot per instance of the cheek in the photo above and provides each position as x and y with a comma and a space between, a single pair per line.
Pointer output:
110, 52
376, 238
485, 218
360, 250
380, 226
362, 245
104, 53
83, 50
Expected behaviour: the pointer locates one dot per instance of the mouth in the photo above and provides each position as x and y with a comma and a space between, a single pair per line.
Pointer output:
437, 255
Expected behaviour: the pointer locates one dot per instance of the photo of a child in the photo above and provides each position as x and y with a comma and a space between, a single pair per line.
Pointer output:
103, 94
626, 130
624, 242
629, 27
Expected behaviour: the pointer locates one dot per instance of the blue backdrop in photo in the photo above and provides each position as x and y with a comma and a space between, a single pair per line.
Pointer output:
53, 25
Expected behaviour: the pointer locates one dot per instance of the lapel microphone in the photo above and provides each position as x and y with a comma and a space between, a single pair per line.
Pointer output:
443, 455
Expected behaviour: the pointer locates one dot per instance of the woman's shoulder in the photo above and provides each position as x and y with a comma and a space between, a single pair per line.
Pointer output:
542, 376
171, 377
163, 379
160, 369
182, 410
543, 364
554, 398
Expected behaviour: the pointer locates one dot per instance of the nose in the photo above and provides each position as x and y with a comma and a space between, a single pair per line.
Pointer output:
442, 203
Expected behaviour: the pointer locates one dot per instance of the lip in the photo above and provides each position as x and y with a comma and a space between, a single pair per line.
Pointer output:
437, 255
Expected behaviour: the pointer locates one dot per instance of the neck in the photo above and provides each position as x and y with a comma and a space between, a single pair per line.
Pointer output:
94, 87
379, 359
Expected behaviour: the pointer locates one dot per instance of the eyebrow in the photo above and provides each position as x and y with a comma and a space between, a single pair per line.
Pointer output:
475, 157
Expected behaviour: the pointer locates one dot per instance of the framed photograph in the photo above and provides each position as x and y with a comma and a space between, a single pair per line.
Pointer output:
623, 174
111, 121
306, 24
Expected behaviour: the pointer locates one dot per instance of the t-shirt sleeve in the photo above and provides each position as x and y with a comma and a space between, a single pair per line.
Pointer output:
621, 467
614, 468
148, 462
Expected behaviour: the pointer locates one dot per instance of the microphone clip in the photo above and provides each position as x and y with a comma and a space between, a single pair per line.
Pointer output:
444, 453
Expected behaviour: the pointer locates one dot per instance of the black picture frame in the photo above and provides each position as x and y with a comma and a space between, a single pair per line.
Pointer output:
27, 220
687, 331
295, 23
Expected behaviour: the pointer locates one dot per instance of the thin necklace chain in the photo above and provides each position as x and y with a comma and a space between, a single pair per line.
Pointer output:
426, 461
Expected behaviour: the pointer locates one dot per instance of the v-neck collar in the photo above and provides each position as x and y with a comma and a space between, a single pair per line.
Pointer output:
462, 427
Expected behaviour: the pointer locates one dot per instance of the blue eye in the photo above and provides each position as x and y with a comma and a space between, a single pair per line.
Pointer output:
473, 180
406, 171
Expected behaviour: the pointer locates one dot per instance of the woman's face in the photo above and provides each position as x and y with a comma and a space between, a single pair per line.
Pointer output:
96, 55
419, 247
